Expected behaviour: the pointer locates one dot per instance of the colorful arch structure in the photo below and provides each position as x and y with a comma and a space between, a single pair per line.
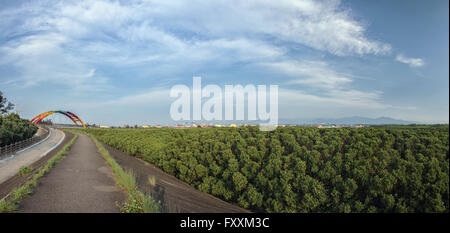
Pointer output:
68, 114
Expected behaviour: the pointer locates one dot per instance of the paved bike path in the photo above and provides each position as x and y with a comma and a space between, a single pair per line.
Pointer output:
81, 182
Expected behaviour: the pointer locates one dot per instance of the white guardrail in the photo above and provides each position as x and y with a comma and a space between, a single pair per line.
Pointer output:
10, 149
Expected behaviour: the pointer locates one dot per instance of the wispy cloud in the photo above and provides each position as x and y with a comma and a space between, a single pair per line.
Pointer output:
326, 87
413, 62
41, 59
322, 25
141, 29
80, 44
315, 74
333, 100
327, 84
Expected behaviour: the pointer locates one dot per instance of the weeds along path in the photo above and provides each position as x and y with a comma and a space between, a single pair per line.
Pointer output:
81, 182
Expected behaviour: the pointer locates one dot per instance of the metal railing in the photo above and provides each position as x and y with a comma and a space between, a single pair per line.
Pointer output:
17, 146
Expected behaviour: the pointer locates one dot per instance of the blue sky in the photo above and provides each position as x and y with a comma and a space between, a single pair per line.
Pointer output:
114, 62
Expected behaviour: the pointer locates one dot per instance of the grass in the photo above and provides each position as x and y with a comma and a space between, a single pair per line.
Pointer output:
137, 202
25, 170
11, 202
152, 180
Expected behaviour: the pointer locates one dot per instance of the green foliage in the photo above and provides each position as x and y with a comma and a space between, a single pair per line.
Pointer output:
25, 170
137, 202
152, 180
239, 181
5, 106
14, 129
19, 193
302, 169
7, 206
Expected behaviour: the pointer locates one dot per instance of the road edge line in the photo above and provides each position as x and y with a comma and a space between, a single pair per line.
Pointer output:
60, 141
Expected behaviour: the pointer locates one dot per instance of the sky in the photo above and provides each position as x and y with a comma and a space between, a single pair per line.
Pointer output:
114, 62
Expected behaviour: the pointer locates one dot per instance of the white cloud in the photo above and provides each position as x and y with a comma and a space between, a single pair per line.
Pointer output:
324, 86
311, 73
413, 62
321, 25
333, 100
299, 104
150, 98
40, 59
78, 36
67, 42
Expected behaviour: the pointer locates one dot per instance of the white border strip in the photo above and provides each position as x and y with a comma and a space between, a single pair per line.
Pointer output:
57, 144
26, 148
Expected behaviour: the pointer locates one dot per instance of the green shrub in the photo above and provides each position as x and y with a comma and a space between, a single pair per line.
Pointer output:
14, 129
25, 170
302, 169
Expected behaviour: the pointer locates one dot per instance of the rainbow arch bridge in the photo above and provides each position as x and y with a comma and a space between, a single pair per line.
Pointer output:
68, 114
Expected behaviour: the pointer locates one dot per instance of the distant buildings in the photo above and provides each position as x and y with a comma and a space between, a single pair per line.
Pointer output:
231, 125
326, 125
180, 126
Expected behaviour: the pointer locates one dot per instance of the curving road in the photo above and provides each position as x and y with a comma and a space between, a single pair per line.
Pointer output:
10, 166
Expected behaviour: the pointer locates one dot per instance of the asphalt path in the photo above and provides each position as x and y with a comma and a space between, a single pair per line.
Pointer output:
81, 183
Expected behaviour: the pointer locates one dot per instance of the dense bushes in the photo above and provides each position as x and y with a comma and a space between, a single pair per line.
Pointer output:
299, 169
14, 129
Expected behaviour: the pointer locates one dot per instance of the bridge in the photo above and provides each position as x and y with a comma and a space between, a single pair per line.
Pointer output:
68, 114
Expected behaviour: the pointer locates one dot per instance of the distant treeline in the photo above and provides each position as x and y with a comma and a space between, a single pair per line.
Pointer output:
300, 169
14, 129
414, 126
